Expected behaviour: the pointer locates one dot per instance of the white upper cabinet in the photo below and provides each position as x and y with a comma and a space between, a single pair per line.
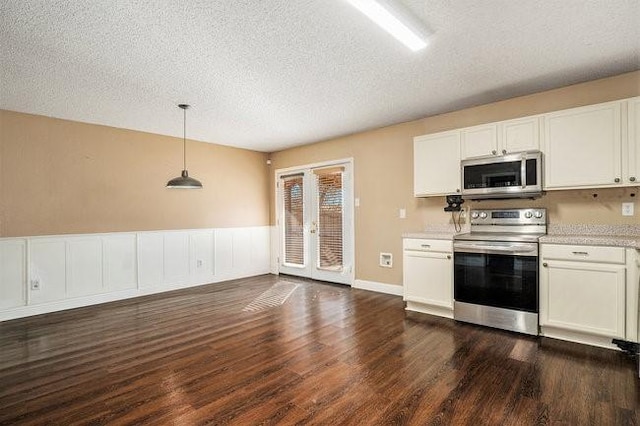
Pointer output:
479, 141
583, 147
631, 150
504, 137
521, 134
436, 164
586, 147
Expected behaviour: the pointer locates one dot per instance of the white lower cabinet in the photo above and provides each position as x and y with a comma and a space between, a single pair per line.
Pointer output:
583, 293
428, 276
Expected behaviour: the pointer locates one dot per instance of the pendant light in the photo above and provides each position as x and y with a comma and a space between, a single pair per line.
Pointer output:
184, 181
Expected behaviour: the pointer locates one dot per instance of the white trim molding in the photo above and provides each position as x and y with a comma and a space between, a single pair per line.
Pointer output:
395, 290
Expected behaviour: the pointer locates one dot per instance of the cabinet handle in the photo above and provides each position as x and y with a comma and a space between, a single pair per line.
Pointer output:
616, 180
580, 253
632, 178
545, 264
494, 152
425, 245
504, 151
457, 189
448, 256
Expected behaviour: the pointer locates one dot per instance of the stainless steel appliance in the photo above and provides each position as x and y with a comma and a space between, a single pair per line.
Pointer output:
496, 269
516, 175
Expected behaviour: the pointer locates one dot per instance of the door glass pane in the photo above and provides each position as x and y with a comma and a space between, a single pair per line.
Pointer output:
293, 220
330, 217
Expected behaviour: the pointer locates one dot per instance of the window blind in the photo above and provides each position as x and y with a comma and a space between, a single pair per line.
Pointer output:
293, 219
330, 217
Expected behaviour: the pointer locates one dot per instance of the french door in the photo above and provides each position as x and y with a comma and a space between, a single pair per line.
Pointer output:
315, 222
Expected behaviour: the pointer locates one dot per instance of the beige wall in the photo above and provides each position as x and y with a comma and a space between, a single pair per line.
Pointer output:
59, 177
383, 163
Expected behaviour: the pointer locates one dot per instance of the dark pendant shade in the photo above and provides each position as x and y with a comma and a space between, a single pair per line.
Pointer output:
184, 182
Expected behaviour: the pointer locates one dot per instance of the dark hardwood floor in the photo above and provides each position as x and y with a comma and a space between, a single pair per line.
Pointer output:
329, 355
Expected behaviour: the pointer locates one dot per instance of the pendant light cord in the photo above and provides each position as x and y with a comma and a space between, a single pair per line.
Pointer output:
184, 141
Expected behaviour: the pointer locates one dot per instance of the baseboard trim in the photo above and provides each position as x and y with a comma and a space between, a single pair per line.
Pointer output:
395, 290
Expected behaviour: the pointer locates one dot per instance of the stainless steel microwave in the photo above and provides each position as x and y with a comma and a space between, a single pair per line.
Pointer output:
517, 175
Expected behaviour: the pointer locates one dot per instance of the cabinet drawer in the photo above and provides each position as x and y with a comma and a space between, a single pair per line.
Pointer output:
583, 253
428, 245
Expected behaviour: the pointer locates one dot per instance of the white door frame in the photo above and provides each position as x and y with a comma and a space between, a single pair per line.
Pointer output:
349, 247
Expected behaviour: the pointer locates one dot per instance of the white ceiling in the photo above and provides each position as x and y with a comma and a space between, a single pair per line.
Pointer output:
271, 74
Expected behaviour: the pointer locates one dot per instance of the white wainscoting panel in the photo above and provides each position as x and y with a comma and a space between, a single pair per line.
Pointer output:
176, 257
224, 252
150, 259
13, 274
84, 266
119, 260
260, 246
202, 258
241, 249
46, 274
47, 268
275, 249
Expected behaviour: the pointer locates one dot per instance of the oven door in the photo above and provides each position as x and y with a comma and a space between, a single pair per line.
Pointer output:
498, 274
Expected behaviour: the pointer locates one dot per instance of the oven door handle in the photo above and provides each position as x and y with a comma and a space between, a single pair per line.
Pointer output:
506, 249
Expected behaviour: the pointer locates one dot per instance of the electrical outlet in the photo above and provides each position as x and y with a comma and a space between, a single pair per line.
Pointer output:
199, 263
35, 284
627, 209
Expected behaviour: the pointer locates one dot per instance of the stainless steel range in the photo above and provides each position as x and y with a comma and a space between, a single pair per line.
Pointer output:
496, 269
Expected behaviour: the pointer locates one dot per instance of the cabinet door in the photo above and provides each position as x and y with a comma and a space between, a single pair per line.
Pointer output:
479, 141
436, 164
428, 278
583, 297
522, 134
583, 147
12, 273
632, 154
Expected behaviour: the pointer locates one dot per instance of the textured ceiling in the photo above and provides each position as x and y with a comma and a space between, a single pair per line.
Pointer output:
271, 74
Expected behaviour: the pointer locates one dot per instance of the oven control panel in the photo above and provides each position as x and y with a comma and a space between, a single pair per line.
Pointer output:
533, 216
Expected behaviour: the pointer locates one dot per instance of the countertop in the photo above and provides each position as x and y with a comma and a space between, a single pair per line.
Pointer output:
437, 232
430, 235
593, 235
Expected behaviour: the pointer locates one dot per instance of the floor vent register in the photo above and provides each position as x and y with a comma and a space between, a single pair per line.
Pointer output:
275, 296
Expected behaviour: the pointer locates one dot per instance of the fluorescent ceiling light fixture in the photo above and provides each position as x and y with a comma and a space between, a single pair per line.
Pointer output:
394, 20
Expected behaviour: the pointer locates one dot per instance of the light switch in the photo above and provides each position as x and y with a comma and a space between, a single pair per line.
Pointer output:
356, 202
627, 209
402, 213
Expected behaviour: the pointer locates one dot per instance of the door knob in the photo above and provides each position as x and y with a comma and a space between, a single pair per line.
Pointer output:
545, 264
632, 178
616, 180
504, 151
494, 152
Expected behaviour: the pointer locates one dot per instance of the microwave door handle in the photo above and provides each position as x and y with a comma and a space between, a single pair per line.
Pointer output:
523, 172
